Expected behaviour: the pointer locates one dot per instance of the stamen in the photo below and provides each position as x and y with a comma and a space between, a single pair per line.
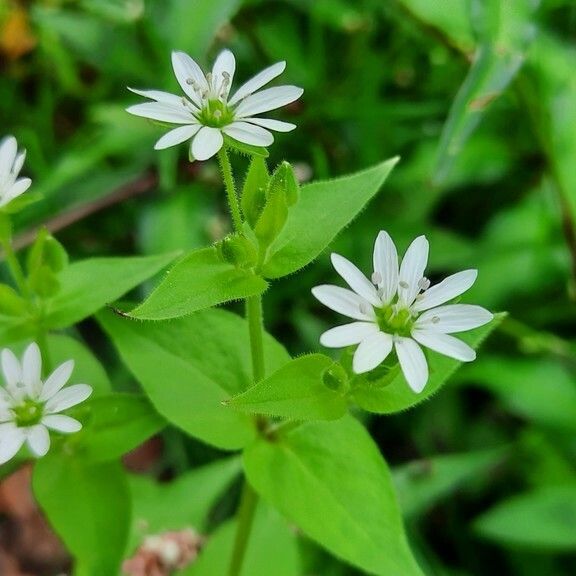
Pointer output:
363, 308
435, 319
403, 284
190, 81
376, 278
424, 283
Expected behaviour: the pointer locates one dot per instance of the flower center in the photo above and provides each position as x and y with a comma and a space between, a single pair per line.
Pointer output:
28, 413
394, 319
216, 114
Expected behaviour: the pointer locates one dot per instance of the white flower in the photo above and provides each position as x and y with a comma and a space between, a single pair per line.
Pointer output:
10, 165
29, 407
399, 310
206, 112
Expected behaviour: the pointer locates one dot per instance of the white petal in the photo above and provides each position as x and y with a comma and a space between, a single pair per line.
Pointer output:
447, 289
249, 134
355, 279
256, 82
371, 352
177, 136
385, 263
67, 398
38, 440
271, 124
57, 380
412, 270
32, 369
61, 423
268, 99
453, 318
206, 143
11, 368
413, 363
18, 163
159, 96
344, 301
348, 334
8, 151
175, 114
11, 440
18, 188
186, 69
444, 344
225, 62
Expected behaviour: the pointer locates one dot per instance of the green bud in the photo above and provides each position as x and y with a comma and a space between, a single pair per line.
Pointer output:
11, 304
43, 281
238, 250
284, 180
335, 378
253, 197
46, 251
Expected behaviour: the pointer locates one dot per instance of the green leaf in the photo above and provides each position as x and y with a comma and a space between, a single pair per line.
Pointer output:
543, 519
297, 391
114, 425
324, 209
189, 366
87, 369
385, 397
89, 285
507, 32
271, 543
420, 484
253, 197
181, 503
200, 280
331, 481
89, 507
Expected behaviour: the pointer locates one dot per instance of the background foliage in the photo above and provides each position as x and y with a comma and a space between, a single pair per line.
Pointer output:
478, 98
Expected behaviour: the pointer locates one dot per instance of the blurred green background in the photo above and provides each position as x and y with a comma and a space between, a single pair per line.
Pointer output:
478, 98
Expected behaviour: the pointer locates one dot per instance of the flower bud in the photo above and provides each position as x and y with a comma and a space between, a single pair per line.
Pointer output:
238, 250
335, 378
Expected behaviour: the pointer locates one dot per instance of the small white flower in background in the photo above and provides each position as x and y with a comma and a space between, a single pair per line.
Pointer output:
206, 112
10, 165
29, 406
398, 309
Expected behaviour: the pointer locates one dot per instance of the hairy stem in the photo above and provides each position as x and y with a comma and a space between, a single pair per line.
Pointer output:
256, 329
246, 512
226, 169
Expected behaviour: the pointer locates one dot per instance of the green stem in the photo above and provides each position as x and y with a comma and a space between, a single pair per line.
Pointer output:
246, 512
42, 341
230, 188
256, 329
14, 266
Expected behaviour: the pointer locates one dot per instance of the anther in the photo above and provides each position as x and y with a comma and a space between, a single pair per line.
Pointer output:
376, 278
403, 284
424, 283
435, 319
363, 308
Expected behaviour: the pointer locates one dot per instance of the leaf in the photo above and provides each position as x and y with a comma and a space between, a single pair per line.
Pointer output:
420, 484
543, 519
181, 503
89, 285
296, 391
114, 425
507, 32
331, 481
189, 366
200, 280
89, 507
271, 543
541, 390
324, 209
386, 398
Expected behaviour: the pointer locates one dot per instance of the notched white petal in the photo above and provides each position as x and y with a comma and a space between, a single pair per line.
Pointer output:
206, 143
67, 397
412, 270
385, 261
371, 352
61, 423
355, 279
57, 380
344, 302
348, 334
413, 363
448, 289
38, 440
177, 136
162, 112
270, 124
445, 344
249, 134
454, 318
255, 83
267, 100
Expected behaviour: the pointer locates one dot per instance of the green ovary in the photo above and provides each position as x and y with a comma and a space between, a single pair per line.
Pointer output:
393, 320
28, 413
216, 114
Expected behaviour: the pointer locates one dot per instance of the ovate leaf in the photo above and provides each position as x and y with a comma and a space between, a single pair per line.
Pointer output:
303, 389
384, 396
331, 481
200, 280
324, 209
89, 507
89, 285
189, 366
